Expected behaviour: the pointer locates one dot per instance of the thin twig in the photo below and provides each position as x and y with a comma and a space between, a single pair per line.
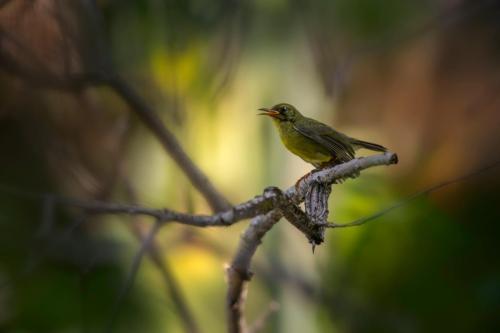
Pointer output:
171, 284
412, 197
177, 297
131, 275
260, 322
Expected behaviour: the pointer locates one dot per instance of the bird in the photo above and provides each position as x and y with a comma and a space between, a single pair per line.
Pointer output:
313, 141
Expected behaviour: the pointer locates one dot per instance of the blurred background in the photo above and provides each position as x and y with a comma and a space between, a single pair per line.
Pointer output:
419, 77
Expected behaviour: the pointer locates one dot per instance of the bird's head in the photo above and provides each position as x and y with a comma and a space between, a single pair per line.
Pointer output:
281, 112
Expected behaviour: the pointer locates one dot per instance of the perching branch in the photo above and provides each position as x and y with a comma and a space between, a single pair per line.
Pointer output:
239, 271
273, 198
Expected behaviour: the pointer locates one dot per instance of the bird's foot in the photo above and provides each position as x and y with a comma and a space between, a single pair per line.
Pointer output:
305, 176
298, 181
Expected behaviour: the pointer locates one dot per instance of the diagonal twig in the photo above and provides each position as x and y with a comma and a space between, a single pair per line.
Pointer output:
171, 284
170, 144
136, 262
155, 254
106, 76
260, 322
412, 197
163, 267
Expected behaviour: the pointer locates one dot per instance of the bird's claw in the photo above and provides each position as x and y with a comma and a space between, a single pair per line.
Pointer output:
297, 184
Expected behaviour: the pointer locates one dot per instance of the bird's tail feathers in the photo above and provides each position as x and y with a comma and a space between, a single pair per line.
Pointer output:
367, 145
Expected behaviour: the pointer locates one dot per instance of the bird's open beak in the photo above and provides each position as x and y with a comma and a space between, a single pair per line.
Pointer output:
269, 112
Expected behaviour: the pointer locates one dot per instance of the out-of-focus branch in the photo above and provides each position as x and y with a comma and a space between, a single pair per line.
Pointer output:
185, 314
177, 298
170, 143
41, 77
260, 322
154, 253
146, 243
147, 115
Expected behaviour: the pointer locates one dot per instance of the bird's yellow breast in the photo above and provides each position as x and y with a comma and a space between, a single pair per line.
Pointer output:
300, 145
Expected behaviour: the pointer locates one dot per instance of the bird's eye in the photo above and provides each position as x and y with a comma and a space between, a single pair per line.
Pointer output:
284, 109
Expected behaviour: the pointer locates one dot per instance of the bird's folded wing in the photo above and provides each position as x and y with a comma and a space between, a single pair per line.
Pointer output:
329, 139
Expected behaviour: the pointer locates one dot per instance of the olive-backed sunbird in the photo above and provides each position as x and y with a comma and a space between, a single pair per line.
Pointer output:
313, 141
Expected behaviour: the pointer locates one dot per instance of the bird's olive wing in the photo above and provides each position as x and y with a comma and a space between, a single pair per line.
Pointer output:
336, 143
